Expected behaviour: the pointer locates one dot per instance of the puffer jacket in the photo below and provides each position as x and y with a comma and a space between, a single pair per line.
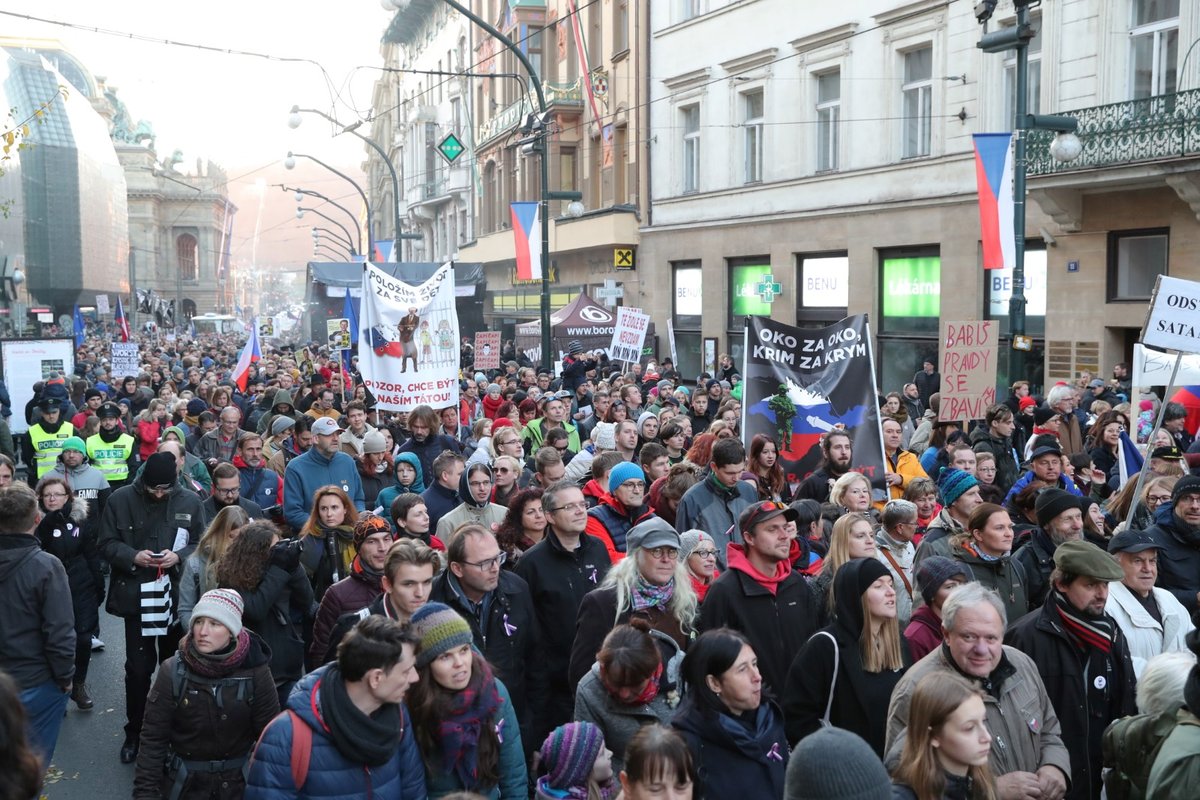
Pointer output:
331, 776
260, 484
610, 521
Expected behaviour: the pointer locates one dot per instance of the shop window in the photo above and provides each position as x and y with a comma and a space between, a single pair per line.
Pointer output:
1135, 260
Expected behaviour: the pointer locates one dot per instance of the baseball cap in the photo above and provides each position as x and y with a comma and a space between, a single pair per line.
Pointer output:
325, 427
766, 510
1131, 541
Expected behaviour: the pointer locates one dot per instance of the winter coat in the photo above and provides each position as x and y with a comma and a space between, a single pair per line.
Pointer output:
1041, 636
1064, 483
357, 590
37, 628
148, 433
331, 776
1006, 575
777, 624
858, 695
307, 473
1036, 558
908, 467
598, 616
197, 727
924, 632
260, 484
514, 778
66, 535
388, 495
428, 450
617, 721
192, 587
253, 510
610, 521
133, 521
1008, 465
1178, 556
439, 501
487, 514
1144, 635
275, 610
715, 509
734, 759
1026, 734
87, 483
1178, 761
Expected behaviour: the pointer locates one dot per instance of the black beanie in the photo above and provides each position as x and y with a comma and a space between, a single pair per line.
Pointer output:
1188, 484
1052, 502
159, 470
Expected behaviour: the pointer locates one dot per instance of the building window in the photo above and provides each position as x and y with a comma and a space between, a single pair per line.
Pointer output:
917, 95
829, 115
187, 252
533, 49
1033, 97
689, 295
1135, 260
824, 288
567, 166
1154, 47
752, 131
691, 148
687, 9
491, 198
747, 279
620, 26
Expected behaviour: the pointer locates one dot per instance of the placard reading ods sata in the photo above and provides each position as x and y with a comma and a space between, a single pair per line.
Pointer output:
1174, 319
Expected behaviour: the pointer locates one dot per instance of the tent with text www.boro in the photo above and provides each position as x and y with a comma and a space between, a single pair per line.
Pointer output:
582, 319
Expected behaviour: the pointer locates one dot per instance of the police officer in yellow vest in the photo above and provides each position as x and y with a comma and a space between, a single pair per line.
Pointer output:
47, 436
111, 450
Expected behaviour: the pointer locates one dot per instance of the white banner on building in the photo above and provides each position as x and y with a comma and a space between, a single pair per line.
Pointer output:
408, 340
629, 335
1172, 323
102, 304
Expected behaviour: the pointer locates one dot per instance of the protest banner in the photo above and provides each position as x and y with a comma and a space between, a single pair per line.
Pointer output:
800, 383
487, 350
102, 306
124, 359
408, 344
338, 331
968, 369
1171, 323
629, 335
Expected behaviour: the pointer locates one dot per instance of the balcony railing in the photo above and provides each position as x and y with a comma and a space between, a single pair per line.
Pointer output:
557, 93
1156, 128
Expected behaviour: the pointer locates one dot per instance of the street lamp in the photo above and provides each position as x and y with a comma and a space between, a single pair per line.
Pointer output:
334, 235
300, 194
290, 163
300, 215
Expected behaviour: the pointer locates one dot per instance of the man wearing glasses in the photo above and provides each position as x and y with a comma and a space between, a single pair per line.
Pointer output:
475, 491
618, 511
560, 570
1177, 534
499, 608
147, 529
227, 488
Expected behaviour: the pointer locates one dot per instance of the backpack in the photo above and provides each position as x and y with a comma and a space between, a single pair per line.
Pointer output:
301, 753
1130, 747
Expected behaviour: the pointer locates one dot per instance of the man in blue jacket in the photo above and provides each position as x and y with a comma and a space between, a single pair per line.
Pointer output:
358, 734
322, 465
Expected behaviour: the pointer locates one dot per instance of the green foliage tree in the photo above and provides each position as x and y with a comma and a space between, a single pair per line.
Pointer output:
15, 137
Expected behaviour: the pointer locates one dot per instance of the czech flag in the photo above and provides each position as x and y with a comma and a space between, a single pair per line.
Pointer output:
250, 354
122, 321
385, 251
994, 176
526, 220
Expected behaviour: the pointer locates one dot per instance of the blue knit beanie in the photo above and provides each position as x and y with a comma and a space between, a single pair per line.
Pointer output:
953, 484
625, 471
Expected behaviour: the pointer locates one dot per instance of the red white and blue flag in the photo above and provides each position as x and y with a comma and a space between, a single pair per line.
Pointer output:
994, 175
526, 220
122, 321
250, 354
385, 251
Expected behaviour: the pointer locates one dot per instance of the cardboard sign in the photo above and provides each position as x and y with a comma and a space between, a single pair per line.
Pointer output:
629, 335
968, 369
124, 360
487, 350
1173, 323
102, 304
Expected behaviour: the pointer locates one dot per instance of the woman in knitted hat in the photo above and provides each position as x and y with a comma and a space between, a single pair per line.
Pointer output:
733, 731
960, 496
698, 554
327, 538
209, 703
934, 578
634, 682
846, 672
947, 747
64, 532
579, 765
463, 716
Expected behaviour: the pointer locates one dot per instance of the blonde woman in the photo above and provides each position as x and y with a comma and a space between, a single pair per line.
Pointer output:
853, 537
200, 569
851, 492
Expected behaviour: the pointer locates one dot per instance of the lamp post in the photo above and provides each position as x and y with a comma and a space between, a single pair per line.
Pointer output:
300, 194
538, 129
290, 163
1065, 148
318, 246
300, 215
333, 236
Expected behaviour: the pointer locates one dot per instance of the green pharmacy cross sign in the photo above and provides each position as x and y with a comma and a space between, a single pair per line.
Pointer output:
451, 148
769, 289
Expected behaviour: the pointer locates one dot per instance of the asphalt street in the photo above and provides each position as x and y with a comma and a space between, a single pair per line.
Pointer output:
86, 764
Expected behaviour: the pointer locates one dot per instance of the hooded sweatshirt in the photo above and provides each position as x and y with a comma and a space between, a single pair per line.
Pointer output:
388, 495
738, 561
486, 513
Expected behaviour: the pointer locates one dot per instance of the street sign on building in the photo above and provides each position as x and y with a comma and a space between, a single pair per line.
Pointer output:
451, 148
623, 258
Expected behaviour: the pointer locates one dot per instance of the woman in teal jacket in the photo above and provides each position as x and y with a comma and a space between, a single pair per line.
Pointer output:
466, 726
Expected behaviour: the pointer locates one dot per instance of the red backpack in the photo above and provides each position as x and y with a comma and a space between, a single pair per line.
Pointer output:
301, 748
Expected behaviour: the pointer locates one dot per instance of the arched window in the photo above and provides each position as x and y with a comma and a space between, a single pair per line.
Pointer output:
187, 253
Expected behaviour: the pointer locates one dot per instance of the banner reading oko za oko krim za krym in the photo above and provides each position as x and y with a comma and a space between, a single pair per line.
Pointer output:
802, 382
408, 340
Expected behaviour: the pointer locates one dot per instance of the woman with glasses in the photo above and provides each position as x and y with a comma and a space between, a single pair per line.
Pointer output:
650, 583
698, 553
64, 533
1155, 492
524, 525
507, 473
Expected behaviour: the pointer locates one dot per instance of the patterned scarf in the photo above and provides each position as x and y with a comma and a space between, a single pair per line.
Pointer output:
470, 709
1086, 630
648, 694
647, 595
215, 665
607, 791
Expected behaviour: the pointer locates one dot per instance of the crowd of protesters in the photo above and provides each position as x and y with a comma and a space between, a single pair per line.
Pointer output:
593, 584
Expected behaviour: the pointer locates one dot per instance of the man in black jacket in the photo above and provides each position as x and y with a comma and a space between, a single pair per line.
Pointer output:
146, 531
560, 570
838, 454
761, 596
499, 608
37, 626
1177, 533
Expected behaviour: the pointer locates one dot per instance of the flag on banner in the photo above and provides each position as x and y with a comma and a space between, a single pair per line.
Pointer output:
526, 219
410, 356
122, 321
250, 354
1129, 460
80, 330
385, 251
994, 176
801, 382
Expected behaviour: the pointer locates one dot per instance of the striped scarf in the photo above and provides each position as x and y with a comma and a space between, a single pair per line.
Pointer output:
1086, 630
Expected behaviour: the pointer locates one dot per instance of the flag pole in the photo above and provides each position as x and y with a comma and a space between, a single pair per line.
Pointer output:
1162, 408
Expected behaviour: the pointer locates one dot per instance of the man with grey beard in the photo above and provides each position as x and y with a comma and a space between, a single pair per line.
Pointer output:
1060, 519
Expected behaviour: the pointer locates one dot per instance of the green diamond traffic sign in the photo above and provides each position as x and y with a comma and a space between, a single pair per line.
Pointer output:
451, 148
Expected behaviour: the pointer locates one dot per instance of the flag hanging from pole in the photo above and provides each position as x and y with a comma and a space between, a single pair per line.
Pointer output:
994, 176
250, 354
80, 330
122, 321
526, 219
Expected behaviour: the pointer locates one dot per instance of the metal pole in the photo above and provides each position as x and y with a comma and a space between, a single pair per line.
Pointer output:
353, 219
543, 201
361, 193
347, 241
1016, 302
334, 236
1162, 408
